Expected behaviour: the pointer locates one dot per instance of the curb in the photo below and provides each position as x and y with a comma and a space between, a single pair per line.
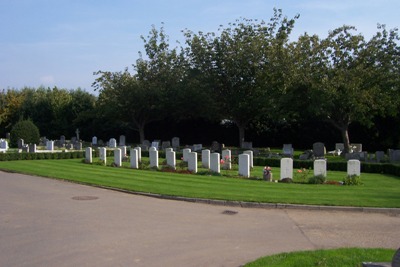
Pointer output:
243, 204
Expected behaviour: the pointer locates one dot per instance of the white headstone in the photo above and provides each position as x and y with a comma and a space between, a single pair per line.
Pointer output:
88, 155
118, 157
186, 152
50, 145
171, 158
244, 165
94, 140
205, 158
155, 144
215, 162
320, 167
227, 159
153, 158
175, 142
192, 162
139, 149
112, 143
103, 154
250, 153
197, 147
152, 148
168, 149
134, 158
286, 168
32, 148
123, 151
353, 167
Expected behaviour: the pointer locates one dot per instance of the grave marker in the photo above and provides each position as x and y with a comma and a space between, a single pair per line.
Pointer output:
112, 143
103, 154
286, 168
205, 158
134, 158
88, 155
320, 167
227, 159
122, 140
215, 162
186, 152
118, 157
171, 158
192, 162
153, 153
250, 153
353, 167
319, 150
244, 165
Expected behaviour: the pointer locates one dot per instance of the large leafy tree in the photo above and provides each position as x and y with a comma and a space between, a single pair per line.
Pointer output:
137, 99
346, 79
244, 66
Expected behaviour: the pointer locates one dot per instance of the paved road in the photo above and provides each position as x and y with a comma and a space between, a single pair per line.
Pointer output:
45, 222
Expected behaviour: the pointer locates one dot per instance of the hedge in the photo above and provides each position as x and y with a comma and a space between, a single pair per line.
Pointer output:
39, 156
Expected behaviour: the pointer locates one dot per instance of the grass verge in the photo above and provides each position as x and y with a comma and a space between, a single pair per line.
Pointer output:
343, 257
377, 190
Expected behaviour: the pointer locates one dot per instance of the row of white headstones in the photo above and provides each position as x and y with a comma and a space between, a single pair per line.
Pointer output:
211, 161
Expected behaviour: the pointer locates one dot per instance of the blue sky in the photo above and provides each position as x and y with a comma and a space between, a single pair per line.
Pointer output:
62, 42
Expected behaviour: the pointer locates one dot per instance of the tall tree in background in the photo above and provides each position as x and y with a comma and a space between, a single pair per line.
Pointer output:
137, 99
348, 79
243, 66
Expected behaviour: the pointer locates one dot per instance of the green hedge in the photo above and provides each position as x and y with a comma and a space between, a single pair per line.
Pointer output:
39, 156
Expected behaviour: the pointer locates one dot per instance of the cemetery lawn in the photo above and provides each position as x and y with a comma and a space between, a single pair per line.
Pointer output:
343, 257
378, 190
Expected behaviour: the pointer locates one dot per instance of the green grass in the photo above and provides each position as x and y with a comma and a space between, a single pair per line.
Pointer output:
343, 257
377, 190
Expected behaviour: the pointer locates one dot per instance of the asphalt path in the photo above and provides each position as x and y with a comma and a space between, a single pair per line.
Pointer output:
46, 222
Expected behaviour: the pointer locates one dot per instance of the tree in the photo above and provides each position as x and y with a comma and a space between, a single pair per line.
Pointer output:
25, 130
145, 96
346, 79
243, 65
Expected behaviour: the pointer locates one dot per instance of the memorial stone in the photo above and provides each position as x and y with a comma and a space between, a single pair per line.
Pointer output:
186, 152
227, 159
205, 158
319, 150
171, 158
118, 157
112, 143
244, 165
250, 153
215, 162
94, 140
165, 145
139, 149
286, 168
122, 140
353, 167
247, 145
62, 140
320, 167
20, 143
175, 142
192, 162
88, 155
50, 145
153, 153
134, 158
379, 155
197, 147
32, 148
103, 155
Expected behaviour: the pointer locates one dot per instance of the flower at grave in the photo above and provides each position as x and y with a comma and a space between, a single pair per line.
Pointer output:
222, 161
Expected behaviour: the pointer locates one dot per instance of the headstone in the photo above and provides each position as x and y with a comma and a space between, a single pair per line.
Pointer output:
215, 147
168, 149
192, 162
197, 147
153, 153
339, 146
205, 158
20, 143
94, 140
156, 144
103, 154
3, 144
122, 140
134, 158
123, 151
215, 162
50, 145
353, 167
139, 149
287, 150
286, 168
117, 157
356, 147
320, 167
88, 155
165, 145
250, 153
62, 140
395, 156
73, 140
175, 142
78, 146
171, 158
25, 148
227, 159
112, 143
244, 165
247, 145
379, 155
32, 148
146, 143
319, 150
186, 152
43, 141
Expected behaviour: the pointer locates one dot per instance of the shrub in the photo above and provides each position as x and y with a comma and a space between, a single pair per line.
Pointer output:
352, 180
25, 130
286, 180
318, 179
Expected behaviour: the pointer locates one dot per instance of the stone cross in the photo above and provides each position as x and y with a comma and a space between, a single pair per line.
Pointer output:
77, 134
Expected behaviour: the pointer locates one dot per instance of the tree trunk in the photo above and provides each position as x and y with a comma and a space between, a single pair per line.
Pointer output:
241, 134
344, 130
